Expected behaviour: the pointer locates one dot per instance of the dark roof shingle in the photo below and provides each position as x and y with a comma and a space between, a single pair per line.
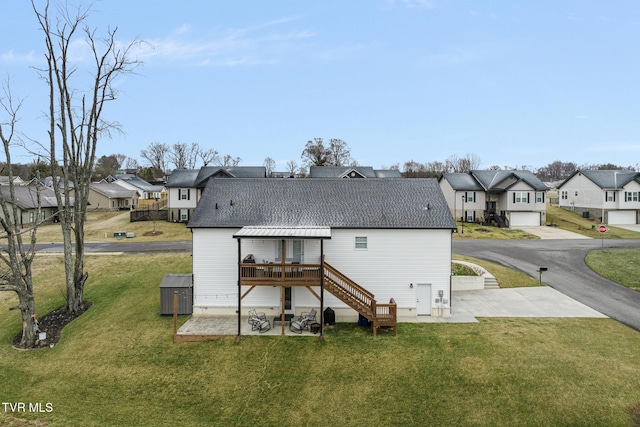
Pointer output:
337, 203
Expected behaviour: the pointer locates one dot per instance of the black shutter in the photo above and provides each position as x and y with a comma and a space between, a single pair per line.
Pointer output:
514, 197
188, 194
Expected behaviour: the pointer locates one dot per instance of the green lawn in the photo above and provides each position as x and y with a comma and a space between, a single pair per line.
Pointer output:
100, 226
506, 277
116, 365
573, 221
621, 266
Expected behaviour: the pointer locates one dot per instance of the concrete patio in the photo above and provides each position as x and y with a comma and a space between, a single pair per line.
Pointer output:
467, 306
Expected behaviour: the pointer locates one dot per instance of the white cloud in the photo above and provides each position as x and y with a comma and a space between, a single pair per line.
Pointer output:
11, 57
264, 43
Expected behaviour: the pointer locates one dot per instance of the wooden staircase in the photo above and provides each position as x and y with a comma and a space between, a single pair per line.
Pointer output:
360, 299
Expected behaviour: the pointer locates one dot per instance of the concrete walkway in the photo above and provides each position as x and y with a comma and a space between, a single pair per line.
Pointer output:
547, 232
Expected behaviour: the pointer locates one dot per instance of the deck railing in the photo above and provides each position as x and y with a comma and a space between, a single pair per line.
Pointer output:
276, 274
350, 289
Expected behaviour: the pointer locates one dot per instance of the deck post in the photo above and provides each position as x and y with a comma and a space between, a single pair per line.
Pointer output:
239, 288
321, 290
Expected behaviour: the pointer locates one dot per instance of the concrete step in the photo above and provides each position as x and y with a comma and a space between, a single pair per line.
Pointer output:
491, 283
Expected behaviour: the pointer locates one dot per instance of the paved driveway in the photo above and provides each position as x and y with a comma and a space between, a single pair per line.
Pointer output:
547, 232
632, 227
567, 271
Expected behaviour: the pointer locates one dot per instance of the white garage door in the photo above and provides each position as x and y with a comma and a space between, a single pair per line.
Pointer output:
622, 217
524, 219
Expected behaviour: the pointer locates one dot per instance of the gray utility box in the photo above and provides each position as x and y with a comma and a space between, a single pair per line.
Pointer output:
176, 282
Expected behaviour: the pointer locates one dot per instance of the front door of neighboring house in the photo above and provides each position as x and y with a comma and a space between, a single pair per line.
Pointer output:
423, 299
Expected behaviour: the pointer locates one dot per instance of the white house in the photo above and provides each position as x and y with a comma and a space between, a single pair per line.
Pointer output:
510, 198
185, 186
289, 245
612, 196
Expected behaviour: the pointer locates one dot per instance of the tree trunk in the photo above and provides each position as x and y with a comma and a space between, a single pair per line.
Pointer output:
27, 308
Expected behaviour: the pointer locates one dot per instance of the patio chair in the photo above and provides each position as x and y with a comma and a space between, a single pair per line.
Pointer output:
302, 322
258, 321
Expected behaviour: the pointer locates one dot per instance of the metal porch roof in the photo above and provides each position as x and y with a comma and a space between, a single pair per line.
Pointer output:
254, 232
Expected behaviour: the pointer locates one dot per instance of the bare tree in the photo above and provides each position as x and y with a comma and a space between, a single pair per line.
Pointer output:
76, 123
315, 153
131, 163
292, 167
156, 154
413, 169
16, 276
269, 165
229, 160
208, 156
339, 153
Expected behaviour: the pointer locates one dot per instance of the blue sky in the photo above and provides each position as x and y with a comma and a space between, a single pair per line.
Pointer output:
516, 83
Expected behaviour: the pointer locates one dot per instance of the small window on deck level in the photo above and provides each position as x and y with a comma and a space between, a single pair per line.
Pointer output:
361, 243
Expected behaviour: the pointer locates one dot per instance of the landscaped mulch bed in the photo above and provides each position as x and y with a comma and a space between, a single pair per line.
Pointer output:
52, 323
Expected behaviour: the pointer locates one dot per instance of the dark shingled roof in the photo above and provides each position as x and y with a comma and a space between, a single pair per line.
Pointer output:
501, 180
27, 196
610, 179
336, 203
360, 171
462, 182
207, 172
182, 178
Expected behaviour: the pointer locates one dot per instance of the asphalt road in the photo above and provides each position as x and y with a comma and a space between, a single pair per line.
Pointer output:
566, 272
124, 246
564, 260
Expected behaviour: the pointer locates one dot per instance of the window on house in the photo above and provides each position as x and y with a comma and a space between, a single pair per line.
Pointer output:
470, 196
184, 194
520, 197
470, 215
576, 193
361, 243
564, 195
32, 217
43, 215
184, 214
610, 196
630, 196
539, 196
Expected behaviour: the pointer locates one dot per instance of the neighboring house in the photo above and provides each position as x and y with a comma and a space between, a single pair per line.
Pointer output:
4, 180
352, 172
465, 196
145, 190
185, 186
509, 198
27, 203
110, 196
376, 246
612, 196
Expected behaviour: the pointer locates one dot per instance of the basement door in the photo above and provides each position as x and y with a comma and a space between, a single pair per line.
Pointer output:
423, 299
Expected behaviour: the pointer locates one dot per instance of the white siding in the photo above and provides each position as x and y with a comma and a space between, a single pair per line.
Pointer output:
393, 260
589, 195
174, 201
